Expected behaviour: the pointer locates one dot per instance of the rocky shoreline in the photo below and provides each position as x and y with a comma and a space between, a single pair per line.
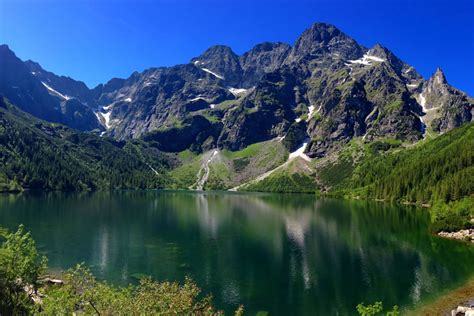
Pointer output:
463, 234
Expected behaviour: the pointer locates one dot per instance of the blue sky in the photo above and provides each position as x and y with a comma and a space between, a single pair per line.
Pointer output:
95, 40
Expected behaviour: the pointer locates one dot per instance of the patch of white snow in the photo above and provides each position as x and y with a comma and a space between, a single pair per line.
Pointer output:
236, 92
108, 107
422, 101
106, 117
56, 93
366, 60
212, 73
300, 152
311, 110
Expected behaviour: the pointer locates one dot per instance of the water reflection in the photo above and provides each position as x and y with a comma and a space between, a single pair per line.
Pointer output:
286, 254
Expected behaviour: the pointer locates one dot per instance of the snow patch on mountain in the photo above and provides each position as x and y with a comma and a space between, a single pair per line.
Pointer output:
56, 93
108, 107
311, 110
299, 152
107, 118
236, 91
213, 73
366, 60
197, 98
422, 101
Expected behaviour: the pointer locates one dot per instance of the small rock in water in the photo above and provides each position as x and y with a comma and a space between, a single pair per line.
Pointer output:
465, 309
464, 234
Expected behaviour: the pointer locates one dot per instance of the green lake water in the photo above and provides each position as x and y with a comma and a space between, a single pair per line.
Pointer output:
282, 254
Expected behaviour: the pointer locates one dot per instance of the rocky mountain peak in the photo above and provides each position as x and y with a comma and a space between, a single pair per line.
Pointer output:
445, 106
437, 83
438, 77
215, 54
323, 39
268, 46
321, 32
261, 59
379, 51
221, 62
33, 65
384, 54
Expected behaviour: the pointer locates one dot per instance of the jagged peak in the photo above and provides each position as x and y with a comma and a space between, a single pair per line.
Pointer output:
323, 38
379, 51
5, 49
216, 51
268, 46
320, 32
438, 77
33, 65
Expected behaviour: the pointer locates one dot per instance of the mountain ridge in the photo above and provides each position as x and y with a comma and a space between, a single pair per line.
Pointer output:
326, 85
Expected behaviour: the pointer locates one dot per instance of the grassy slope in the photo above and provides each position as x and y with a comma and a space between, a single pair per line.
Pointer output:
294, 177
38, 155
229, 168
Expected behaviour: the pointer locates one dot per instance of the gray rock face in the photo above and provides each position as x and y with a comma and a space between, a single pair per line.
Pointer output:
260, 60
448, 107
45, 95
325, 87
223, 62
66, 85
322, 40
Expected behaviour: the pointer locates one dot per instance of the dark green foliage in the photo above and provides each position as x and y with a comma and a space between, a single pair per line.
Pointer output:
39, 155
454, 215
23, 292
439, 173
295, 136
335, 174
20, 267
83, 292
375, 309
439, 170
381, 145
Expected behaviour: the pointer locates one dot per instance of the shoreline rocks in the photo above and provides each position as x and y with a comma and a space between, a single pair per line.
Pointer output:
463, 234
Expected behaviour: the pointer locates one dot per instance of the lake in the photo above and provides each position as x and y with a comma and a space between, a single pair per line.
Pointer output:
277, 253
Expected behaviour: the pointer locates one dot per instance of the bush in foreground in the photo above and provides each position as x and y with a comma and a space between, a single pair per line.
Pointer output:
21, 292
20, 268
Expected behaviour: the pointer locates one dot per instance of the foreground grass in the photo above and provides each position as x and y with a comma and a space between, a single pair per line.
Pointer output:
442, 305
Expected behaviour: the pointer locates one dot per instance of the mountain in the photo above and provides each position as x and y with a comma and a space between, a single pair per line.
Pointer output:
45, 95
305, 104
327, 87
35, 154
325, 115
445, 107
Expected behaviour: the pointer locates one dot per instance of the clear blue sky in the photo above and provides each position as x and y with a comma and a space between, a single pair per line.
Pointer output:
95, 40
